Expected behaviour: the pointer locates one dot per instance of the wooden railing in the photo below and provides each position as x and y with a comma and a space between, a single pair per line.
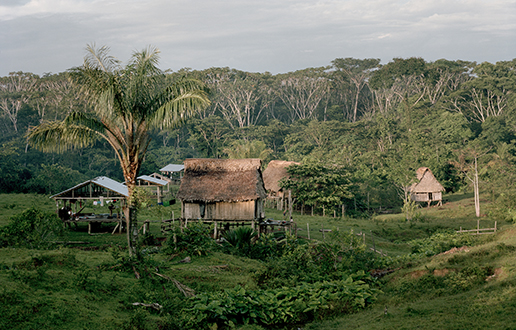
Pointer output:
479, 231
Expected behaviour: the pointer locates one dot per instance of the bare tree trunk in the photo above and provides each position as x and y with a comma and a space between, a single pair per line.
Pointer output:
476, 191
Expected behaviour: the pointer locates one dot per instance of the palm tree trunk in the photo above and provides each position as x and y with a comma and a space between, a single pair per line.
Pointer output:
131, 213
131, 221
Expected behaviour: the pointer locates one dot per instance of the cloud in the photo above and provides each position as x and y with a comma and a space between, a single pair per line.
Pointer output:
269, 35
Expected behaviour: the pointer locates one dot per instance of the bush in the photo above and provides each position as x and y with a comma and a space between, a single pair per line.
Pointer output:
343, 254
287, 305
238, 241
505, 207
194, 240
440, 242
32, 228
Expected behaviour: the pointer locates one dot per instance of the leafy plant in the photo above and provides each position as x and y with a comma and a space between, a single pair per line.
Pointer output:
440, 242
31, 228
238, 241
193, 240
287, 305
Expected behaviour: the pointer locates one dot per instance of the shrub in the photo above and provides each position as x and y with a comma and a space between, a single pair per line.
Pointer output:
193, 240
343, 254
31, 228
274, 307
238, 241
440, 242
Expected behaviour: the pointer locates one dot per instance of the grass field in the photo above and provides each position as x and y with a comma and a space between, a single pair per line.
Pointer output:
84, 287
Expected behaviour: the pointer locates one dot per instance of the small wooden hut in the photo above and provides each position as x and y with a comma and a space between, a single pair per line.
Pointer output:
275, 171
222, 190
427, 189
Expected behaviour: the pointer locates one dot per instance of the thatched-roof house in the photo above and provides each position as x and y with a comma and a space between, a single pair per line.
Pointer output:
427, 189
275, 171
222, 190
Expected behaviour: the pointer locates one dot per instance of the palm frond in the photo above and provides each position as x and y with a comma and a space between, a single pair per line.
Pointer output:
179, 102
61, 136
99, 59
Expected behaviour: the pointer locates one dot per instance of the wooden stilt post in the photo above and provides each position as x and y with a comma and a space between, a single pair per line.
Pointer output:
308, 230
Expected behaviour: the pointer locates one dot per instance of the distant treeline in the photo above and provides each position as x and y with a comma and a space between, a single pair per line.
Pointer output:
381, 122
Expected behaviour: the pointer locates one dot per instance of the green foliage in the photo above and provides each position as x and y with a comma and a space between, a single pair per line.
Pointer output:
410, 209
314, 183
441, 242
250, 149
31, 228
505, 207
194, 240
288, 305
270, 246
52, 179
238, 241
341, 255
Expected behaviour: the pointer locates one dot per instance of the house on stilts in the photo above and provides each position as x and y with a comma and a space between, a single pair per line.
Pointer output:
222, 191
427, 188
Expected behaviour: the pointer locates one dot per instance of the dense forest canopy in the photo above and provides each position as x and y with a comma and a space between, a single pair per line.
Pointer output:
377, 123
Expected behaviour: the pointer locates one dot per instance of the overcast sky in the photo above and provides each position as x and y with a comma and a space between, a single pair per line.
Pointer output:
42, 36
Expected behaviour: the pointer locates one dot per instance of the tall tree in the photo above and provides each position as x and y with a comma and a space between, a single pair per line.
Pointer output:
487, 95
15, 91
127, 103
302, 91
356, 74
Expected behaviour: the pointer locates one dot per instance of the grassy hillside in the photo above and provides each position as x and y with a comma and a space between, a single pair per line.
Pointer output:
472, 288
95, 286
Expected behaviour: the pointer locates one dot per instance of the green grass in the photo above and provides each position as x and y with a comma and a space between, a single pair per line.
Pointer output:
414, 301
87, 287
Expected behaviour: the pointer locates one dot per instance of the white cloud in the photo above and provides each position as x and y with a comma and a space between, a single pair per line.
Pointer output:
269, 35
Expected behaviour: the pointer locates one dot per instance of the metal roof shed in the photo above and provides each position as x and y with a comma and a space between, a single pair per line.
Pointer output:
172, 168
100, 187
174, 171
150, 181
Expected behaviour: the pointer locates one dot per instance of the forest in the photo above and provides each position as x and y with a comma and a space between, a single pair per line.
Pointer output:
374, 124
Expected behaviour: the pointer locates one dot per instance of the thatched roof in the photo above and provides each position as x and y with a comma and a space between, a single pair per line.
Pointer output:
216, 180
427, 182
275, 171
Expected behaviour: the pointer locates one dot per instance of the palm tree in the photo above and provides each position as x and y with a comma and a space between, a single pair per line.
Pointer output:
127, 103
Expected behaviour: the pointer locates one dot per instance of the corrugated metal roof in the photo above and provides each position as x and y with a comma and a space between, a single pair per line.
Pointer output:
152, 180
102, 181
172, 168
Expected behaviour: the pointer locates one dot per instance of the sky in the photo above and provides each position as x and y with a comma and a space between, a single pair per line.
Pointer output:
276, 36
